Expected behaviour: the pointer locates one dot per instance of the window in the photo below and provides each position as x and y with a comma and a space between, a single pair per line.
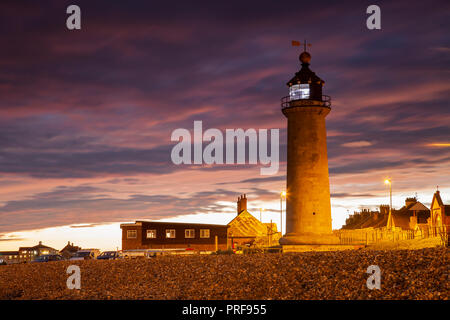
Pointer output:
299, 91
170, 233
204, 233
151, 234
189, 233
131, 234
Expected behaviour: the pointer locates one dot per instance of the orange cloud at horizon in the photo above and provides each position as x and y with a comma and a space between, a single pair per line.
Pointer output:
443, 144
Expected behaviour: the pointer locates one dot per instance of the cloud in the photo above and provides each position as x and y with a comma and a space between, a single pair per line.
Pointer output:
87, 116
85, 206
258, 180
91, 225
357, 144
352, 195
5, 238
439, 144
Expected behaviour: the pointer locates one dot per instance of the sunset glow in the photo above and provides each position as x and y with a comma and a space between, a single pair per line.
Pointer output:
86, 117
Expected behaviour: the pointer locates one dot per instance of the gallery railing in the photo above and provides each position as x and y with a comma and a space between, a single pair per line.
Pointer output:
286, 101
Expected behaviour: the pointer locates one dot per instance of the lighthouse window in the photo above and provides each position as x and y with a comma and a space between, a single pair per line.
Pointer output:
299, 91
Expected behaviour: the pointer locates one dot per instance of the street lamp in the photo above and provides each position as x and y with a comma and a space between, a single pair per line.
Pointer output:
390, 223
260, 213
282, 195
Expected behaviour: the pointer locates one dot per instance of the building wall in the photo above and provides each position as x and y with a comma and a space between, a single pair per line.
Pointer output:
10, 256
27, 254
180, 241
308, 209
438, 219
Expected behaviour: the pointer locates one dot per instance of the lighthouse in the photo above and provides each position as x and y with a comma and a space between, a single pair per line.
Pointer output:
308, 208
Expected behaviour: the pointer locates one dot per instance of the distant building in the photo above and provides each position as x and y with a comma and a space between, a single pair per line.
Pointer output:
10, 256
412, 216
27, 254
440, 213
170, 235
69, 250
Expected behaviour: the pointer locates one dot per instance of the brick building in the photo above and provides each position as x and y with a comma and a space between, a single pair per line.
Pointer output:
69, 250
412, 216
440, 214
243, 230
9, 256
27, 254
171, 235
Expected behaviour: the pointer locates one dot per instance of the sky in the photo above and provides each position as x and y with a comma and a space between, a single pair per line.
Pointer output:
86, 116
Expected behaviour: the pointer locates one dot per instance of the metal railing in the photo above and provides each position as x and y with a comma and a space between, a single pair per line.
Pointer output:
286, 101
375, 235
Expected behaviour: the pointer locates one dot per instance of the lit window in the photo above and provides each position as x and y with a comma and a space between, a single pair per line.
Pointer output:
151, 234
131, 234
170, 233
189, 233
299, 91
204, 233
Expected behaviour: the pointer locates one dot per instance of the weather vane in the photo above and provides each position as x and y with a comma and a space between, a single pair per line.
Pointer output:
296, 43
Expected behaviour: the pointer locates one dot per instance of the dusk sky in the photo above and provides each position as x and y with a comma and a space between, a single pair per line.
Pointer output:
86, 116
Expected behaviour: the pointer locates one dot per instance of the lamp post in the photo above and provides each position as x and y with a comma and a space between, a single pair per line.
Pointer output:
390, 223
260, 213
282, 194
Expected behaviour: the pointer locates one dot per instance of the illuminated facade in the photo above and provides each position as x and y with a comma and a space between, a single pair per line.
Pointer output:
308, 208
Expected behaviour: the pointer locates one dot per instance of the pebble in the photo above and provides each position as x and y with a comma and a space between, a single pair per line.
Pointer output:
406, 274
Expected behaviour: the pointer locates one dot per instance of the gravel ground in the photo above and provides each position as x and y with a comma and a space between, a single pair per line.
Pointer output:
406, 274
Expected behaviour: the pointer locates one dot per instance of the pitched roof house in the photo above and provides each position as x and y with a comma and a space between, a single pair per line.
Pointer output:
69, 250
440, 213
410, 217
246, 230
29, 253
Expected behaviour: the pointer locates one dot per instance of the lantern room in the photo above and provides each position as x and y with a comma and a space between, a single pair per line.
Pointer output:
305, 85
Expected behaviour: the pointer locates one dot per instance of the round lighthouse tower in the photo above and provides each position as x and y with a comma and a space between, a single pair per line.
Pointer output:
308, 209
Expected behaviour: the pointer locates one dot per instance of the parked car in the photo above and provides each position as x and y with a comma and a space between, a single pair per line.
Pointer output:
108, 255
48, 258
133, 253
85, 254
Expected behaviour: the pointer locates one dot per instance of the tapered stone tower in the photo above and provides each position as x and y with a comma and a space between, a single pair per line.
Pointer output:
308, 209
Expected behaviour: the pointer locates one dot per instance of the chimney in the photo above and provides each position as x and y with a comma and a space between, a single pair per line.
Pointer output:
241, 203
410, 201
40, 242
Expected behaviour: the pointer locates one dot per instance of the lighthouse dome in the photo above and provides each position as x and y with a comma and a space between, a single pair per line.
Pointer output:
305, 57
305, 84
